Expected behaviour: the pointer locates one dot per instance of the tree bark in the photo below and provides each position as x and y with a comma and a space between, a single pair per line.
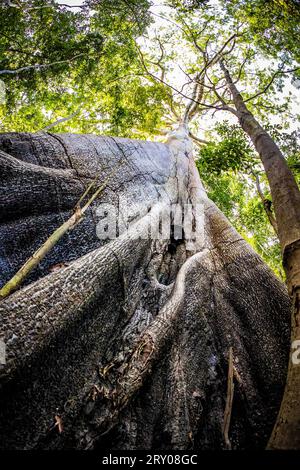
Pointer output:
126, 346
266, 204
286, 201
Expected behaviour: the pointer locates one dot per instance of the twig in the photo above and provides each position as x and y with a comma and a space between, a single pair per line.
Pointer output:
237, 376
229, 400
40, 254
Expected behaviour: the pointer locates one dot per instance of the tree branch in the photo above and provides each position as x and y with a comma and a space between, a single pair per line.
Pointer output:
266, 203
158, 63
18, 5
191, 99
197, 140
193, 107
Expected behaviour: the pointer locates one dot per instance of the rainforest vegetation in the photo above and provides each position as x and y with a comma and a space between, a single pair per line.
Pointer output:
116, 68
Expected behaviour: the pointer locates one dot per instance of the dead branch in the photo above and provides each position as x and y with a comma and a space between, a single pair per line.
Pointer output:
18, 5
38, 67
197, 140
69, 224
266, 204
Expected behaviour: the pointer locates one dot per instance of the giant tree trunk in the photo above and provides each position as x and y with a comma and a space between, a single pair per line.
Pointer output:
286, 201
127, 345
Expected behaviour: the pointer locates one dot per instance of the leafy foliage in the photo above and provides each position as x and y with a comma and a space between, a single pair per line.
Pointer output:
81, 64
274, 24
228, 173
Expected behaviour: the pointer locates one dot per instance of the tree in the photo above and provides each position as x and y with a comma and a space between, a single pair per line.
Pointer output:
125, 343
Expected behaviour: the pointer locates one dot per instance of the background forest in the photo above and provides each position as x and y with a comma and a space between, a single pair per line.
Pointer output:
129, 68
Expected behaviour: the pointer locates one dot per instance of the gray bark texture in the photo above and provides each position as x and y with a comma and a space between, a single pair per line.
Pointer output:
286, 200
126, 346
